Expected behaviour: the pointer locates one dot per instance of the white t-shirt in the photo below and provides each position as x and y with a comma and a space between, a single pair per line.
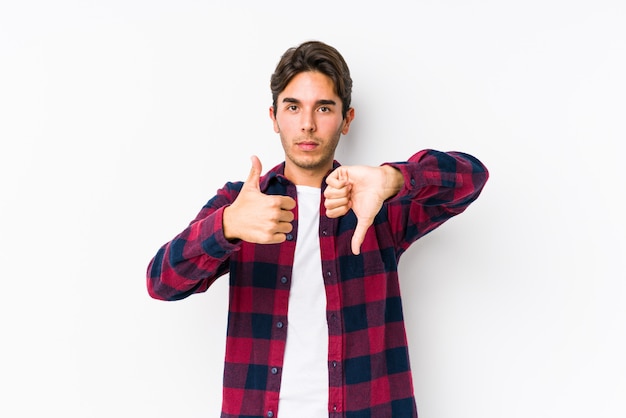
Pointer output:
304, 386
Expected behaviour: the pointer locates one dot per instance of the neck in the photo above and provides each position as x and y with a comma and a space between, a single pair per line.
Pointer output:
305, 180
303, 177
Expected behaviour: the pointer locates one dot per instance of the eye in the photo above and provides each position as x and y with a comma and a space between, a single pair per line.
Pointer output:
292, 108
324, 109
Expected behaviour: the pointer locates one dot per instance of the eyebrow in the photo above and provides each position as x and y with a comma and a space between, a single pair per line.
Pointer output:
319, 102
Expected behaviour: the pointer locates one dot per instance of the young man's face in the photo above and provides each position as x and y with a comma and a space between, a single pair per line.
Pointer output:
309, 120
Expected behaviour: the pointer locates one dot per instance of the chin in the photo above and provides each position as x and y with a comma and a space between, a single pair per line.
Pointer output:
309, 162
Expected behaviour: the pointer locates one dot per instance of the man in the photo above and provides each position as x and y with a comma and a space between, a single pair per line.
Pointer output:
315, 325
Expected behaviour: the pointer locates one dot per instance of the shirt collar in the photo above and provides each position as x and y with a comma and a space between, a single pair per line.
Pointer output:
277, 173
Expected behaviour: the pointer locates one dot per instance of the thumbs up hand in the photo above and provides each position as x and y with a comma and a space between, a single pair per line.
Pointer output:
256, 217
362, 189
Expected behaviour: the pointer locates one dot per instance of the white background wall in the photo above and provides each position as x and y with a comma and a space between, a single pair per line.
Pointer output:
119, 119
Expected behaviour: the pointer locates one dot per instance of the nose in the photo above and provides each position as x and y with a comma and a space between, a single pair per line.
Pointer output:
308, 122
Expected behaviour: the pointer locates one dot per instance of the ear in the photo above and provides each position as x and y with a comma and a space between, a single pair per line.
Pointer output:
347, 120
274, 121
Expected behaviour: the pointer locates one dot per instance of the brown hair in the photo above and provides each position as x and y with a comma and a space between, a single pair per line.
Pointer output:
313, 56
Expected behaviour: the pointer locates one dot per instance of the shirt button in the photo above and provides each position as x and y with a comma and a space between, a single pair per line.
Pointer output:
270, 414
334, 407
283, 280
289, 237
279, 325
412, 182
274, 370
324, 232
328, 273
334, 364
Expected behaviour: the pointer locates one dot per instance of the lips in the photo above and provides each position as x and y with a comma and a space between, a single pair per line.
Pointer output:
307, 145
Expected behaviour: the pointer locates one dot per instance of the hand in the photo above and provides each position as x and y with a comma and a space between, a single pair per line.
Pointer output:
256, 217
362, 189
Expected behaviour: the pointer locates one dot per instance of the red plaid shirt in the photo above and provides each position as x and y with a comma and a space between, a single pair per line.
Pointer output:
368, 363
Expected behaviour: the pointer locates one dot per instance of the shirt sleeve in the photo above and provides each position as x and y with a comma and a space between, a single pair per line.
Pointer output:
437, 186
196, 257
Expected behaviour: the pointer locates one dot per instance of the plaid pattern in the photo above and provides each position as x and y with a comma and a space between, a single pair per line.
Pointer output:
368, 363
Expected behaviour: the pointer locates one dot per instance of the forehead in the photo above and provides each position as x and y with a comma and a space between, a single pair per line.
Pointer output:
310, 85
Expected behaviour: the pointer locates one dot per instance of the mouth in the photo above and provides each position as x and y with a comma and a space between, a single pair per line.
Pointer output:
307, 145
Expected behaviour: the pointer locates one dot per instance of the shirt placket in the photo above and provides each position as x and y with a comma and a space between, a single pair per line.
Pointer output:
333, 315
280, 308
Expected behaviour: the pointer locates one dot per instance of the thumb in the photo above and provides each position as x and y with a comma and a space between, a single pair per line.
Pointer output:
255, 174
359, 235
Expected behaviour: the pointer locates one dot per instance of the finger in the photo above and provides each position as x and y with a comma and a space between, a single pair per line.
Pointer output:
331, 204
333, 193
286, 216
337, 212
336, 183
359, 236
280, 234
255, 173
283, 228
287, 203
337, 178
276, 239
